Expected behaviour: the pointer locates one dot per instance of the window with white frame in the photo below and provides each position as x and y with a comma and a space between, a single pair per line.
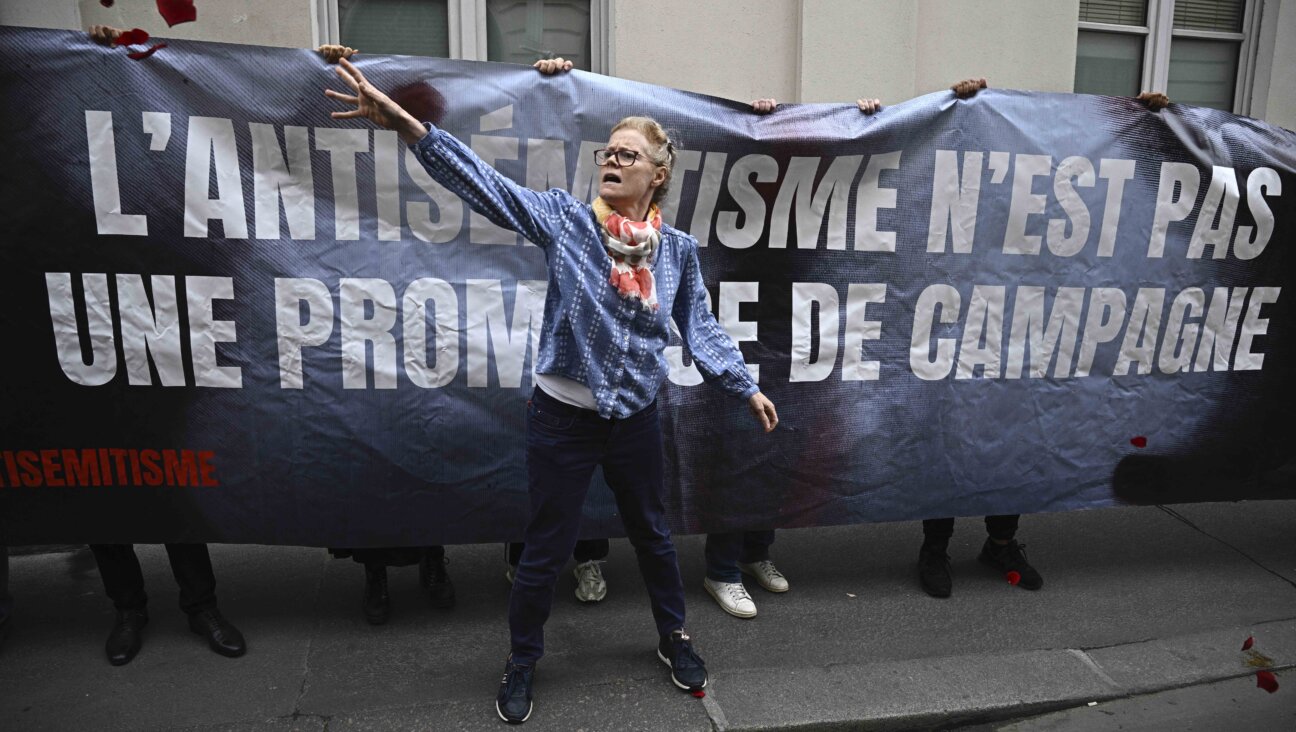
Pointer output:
514, 31
1200, 52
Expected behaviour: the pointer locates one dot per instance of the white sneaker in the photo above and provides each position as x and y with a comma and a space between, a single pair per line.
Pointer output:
732, 597
590, 585
766, 574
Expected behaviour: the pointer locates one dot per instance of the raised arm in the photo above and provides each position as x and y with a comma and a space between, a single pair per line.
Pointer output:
454, 165
713, 351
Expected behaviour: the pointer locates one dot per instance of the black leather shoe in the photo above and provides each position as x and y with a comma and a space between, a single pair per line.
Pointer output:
377, 603
436, 580
126, 637
934, 571
223, 638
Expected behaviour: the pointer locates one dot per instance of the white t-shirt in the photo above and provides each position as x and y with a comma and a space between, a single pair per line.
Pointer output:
567, 391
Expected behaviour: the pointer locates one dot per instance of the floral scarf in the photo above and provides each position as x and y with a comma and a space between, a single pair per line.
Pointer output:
631, 246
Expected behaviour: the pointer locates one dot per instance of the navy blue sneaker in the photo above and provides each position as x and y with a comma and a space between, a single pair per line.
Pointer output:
688, 670
513, 702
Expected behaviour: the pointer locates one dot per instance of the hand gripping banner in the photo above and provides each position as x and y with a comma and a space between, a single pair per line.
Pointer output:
228, 317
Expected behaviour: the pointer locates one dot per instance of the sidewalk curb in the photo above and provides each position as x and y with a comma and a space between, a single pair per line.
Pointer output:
985, 688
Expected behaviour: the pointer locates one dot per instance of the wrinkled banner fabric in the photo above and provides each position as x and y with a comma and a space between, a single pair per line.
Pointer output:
228, 317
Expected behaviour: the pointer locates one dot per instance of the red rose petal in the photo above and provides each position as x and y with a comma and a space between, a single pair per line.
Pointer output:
132, 37
1246, 644
1013, 577
1267, 681
137, 55
175, 12
699, 694
1139, 441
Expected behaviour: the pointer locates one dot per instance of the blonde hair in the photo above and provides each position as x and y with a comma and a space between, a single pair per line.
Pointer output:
661, 148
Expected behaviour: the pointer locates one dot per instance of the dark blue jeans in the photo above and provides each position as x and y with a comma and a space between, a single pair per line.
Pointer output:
564, 445
725, 551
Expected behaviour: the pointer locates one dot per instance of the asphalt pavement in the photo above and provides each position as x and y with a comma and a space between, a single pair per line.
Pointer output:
1139, 625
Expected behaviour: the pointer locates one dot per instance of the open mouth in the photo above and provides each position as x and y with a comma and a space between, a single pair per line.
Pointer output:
611, 178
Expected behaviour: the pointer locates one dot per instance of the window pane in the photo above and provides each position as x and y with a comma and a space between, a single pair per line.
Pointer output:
1210, 15
1109, 63
408, 27
1120, 12
522, 31
1203, 73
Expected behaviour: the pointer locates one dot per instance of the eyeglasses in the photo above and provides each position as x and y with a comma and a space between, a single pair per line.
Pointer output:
624, 158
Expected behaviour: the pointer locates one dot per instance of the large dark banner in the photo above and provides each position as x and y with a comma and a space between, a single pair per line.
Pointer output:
228, 317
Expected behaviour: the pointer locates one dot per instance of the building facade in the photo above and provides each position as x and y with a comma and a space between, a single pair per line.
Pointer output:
1226, 54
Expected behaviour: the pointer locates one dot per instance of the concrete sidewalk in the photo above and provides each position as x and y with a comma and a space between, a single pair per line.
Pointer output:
1135, 601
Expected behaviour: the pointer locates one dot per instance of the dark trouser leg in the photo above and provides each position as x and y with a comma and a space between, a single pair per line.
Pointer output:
434, 554
937, 532
722, 551
120, 570
192, 567
633, 469
560, 463
513, 552
755, 546
591, 550
1002, 528
6, 600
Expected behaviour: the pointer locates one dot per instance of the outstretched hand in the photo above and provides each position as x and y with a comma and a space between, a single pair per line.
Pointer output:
868, 106
373, 105
1154, 101
763, 410
551, 66
333, 52
763, 106
968, 88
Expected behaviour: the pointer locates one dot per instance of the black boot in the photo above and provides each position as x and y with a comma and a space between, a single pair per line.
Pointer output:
126, 637
934, 570
377, 605
436, 580
1010, 559
221, 635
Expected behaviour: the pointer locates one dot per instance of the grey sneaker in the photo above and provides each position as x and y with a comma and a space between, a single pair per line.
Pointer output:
590, 585
766, 574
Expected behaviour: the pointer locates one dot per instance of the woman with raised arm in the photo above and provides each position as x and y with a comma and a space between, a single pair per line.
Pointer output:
617, 274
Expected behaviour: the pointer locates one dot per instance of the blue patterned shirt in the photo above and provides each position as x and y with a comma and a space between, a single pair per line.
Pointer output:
590, 333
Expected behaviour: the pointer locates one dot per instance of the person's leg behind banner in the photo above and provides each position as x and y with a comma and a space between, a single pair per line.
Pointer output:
6, 600
434, 576
191, 565
564, 444
1002, 552
723, 580
589, 554
633, 469
934, 572
123, 581
754, 561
